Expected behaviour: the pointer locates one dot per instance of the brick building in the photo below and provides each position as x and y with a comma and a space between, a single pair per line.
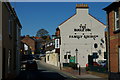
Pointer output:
30, 42
24, 49
113, 21
10, 31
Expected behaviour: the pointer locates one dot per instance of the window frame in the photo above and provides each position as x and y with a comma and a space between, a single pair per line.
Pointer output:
48, 58
65, 56
116, 13
69, 56
9, 60
10, 25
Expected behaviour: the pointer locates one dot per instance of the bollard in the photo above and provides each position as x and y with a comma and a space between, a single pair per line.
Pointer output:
79, 70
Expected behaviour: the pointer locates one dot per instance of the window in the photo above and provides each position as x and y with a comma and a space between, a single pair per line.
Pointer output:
95, 45
65, 56
69, 56
9, 60
116, 19
100, 52
48, 58
56, 43
102, 40
10, 25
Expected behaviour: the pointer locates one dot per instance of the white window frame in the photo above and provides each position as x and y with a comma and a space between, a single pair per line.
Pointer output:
57, 44
117, 19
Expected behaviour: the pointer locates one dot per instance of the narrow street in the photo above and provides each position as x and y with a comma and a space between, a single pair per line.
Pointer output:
49, 72
44, 72
59, 40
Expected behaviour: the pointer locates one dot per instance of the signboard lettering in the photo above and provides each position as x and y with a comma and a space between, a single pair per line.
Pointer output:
72, 59
83, 28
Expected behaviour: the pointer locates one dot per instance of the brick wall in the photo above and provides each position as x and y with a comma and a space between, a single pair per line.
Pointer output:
30, 42
114, 43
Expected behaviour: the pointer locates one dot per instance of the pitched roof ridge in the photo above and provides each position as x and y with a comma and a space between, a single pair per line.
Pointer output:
97, 19
67, 19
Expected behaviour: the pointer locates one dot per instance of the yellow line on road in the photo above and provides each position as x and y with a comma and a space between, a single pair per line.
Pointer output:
74, 77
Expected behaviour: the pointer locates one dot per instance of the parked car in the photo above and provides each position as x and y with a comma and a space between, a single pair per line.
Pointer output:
31, 65
28, 63
23, 65
102, 63
94, 64
27, 57
37, 57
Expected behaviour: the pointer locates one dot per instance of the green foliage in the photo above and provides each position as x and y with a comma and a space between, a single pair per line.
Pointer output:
73, 65
42, 32
44, 37
87, 68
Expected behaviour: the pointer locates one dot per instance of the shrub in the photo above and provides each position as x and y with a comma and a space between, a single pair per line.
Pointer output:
87, 68
73, 65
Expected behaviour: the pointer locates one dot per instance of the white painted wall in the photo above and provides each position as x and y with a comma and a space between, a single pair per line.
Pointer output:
84, 46
0, 40
53, 58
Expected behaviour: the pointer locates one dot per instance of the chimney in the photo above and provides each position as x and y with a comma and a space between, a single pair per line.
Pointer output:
27, 36
82, 8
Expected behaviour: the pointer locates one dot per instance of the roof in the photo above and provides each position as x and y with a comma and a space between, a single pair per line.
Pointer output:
97, 19
67, 19
81, 6
112, 6
89, 14
11, 9
27, 36
37, 37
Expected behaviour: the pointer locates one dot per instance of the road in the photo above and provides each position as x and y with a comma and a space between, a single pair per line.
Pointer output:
49, 72
44, 72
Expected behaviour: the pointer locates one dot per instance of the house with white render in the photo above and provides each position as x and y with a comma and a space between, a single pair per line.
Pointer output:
82, 35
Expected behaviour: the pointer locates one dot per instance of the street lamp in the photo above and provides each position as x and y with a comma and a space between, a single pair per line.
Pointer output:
76, 54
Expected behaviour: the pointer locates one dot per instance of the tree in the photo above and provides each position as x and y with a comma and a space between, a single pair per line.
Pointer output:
42, 33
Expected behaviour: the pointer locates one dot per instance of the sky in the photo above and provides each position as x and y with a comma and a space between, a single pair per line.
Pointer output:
48, 15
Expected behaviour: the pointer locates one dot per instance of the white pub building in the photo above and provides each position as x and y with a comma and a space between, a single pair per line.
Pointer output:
81, 35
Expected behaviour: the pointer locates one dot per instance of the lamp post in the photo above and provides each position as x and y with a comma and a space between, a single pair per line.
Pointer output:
76, 54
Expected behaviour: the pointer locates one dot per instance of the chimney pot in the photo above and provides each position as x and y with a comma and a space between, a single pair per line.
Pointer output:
82, 6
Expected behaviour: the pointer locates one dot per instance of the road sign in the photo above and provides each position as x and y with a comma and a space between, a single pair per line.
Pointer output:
72, 59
